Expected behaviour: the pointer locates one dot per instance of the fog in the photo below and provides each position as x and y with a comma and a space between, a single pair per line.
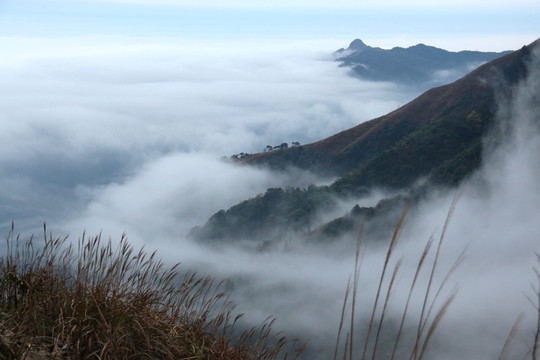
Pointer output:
127, 136
495, 224
81, 114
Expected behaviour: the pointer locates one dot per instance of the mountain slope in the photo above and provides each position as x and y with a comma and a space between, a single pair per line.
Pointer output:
420, 65
436, 138
440, 127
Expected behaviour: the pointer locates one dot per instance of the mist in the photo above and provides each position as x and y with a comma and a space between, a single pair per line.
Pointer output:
494, 225
126, 136
82, 114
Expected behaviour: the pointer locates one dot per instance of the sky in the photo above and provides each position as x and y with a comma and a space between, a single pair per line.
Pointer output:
114, 116
455, 25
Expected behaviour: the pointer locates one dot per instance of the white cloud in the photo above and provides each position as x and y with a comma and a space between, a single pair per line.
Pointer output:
92, 110
213, 99
170, 195
125, 136
495, 220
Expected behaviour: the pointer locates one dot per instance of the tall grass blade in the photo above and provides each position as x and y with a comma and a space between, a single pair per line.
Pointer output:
536, 343
421, 322
435, 323
388, 255
342, 318
355, 285
510, 338
411, 289
386, 300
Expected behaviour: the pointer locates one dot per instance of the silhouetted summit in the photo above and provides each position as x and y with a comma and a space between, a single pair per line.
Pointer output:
358, 45
421, 66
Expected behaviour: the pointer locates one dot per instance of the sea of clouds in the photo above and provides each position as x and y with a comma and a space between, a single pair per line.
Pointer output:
118, 135
84, 118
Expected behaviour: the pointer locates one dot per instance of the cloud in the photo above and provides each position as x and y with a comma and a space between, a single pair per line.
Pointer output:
211, 100
82, 113
495, 222
172, 194
125, 135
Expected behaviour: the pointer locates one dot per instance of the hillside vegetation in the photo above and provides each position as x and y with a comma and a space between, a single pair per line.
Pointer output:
93, 300
436, 129
435, 140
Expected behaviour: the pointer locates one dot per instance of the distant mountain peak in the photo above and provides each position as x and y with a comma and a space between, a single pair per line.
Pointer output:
357, 45
419, 65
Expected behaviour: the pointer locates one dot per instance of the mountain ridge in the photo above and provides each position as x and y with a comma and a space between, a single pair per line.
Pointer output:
436, 139
339, 153
421, 66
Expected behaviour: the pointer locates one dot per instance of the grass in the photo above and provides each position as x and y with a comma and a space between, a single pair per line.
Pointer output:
432, 310
535, 302
96, 300
430, 315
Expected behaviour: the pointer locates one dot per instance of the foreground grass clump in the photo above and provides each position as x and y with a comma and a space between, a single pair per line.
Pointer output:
96, 300
388, 340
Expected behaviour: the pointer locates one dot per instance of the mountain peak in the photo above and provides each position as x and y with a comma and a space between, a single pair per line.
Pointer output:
421, 66
357, 45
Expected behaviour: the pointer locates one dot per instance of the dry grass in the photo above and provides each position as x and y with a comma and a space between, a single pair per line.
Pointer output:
535, 302
96, 300
536, 291
432, 311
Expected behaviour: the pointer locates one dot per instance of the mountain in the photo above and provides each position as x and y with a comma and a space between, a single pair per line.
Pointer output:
436, 139
421, 66
433, 135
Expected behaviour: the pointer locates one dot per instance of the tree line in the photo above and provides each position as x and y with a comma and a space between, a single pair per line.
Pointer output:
268, 148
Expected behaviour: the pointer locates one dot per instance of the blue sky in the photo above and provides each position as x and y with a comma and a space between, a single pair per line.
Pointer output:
494, 25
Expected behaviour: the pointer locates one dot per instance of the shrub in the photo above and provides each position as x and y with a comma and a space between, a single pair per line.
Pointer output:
96, 300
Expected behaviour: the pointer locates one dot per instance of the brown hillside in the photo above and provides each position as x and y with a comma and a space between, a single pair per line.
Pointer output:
453, 103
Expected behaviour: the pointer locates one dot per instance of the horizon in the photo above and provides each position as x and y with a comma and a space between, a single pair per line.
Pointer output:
472, 25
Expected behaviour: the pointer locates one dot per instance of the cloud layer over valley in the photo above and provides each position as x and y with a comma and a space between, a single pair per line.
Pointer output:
494, 223
80, 114
126, 135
